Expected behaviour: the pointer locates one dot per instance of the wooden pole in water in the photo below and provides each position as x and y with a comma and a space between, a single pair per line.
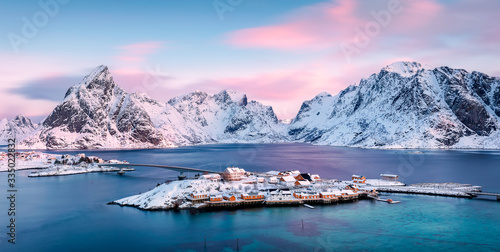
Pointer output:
302, 223
205, 237
237, 244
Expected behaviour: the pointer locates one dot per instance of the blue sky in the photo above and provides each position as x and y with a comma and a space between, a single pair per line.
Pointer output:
278, 52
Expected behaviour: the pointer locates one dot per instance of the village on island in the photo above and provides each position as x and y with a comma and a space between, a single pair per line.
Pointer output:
236, 187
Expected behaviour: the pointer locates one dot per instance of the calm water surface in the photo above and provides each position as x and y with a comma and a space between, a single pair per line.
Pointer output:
69, 213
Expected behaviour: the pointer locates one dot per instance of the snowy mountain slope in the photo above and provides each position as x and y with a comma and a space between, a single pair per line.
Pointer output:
98, 114
228, 117
406, 106
18, 127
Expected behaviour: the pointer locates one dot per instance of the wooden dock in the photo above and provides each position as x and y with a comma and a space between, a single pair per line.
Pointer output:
475, 194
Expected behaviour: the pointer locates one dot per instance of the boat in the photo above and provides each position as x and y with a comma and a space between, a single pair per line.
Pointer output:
306, 205
390, 201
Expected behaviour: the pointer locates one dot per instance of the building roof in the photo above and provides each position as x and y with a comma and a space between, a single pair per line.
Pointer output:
288, 178
306, 176
234, 169
199, 194
210, 176
327, 193
315, 176
357, 176
304, 183
389, 175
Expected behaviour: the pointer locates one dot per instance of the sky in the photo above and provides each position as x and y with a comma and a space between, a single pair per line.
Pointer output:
279, 52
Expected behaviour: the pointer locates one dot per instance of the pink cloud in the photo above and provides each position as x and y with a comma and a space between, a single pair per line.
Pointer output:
286, 37
136, 53
312, 27
420, 25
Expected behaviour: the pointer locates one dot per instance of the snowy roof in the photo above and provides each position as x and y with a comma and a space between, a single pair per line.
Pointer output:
389, 175
234, 169
273, 172
336, 192
357, 176
199, 194
304, 182
288, 179
210, 176
215, 196
327, 193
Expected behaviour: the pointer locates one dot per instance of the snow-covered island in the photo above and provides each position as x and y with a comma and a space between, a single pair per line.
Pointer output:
237, 188
57, 165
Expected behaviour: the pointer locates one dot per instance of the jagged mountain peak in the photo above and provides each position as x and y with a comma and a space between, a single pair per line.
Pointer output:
18, 127
23, 121
99, 80
404, 68
97, 113
100, 72
413, 107
228, 95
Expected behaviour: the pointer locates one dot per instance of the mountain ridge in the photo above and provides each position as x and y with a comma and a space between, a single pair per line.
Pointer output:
404, 105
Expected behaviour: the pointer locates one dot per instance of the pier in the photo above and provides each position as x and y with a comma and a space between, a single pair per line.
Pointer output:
475, 194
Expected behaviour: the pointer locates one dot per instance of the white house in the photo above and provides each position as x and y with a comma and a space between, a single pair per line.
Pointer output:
287, 180
272, 180
233, 174
302, 183
211, 177
358, 179
280, 195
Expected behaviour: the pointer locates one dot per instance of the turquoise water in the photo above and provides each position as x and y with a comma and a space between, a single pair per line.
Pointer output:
69, 213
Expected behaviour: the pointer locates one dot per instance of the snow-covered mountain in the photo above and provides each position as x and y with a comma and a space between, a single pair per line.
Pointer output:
18, 127
99, 114
96, 114
406, 106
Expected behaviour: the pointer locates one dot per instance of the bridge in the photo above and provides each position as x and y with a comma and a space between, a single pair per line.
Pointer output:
474, 194
169, 167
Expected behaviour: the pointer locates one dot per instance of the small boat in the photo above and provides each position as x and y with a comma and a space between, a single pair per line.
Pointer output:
390, 201
306, 205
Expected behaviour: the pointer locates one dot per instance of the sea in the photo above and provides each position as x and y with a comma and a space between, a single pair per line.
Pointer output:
70, 213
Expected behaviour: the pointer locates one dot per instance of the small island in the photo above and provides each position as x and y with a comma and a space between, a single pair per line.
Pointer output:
46, 164
237, 188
